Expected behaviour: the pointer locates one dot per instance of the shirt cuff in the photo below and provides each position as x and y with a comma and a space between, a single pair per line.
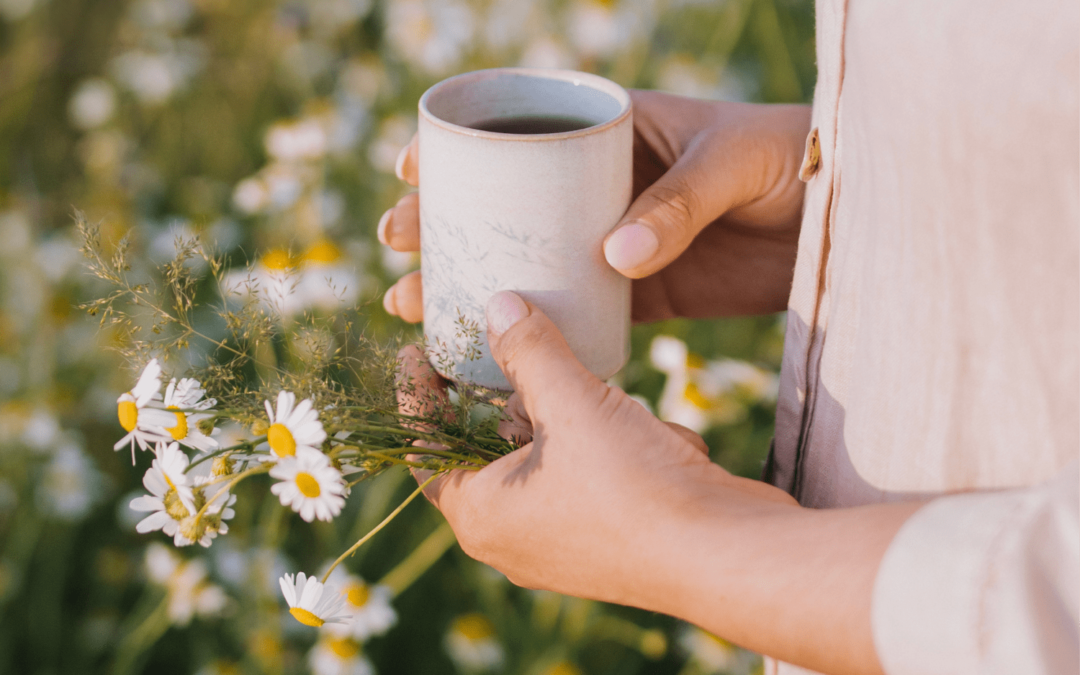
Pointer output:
983, 583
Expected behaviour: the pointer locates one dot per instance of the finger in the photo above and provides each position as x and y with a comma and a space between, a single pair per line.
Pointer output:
407, 164
420, 390
399, 227
405, 299
690, 436
665, 218
537, 361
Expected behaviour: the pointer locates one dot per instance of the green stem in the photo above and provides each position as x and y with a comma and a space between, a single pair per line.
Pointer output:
232, 448
420, 560
142, 638
384, 523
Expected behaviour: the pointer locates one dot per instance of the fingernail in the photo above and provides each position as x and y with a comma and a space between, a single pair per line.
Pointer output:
504, 309
631, 245
388, 302
383, 223
399, 165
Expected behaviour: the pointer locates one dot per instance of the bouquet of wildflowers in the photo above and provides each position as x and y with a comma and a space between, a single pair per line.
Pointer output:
311, 404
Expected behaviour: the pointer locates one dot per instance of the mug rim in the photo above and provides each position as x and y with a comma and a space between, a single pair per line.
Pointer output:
596, 82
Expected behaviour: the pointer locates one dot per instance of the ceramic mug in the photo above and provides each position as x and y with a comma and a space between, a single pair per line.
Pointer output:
523, 172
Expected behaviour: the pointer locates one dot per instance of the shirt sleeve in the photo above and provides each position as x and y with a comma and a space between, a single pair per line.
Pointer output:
984, 583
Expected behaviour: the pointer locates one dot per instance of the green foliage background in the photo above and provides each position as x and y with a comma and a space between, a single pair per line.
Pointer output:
72, 585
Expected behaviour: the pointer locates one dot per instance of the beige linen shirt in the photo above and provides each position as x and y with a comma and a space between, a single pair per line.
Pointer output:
933, 337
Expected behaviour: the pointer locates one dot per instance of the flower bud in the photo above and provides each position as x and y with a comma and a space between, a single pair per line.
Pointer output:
206, 426
222, 466
260, 427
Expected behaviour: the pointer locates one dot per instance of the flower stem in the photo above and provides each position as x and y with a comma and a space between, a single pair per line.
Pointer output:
420, 560
232, 483
384, 523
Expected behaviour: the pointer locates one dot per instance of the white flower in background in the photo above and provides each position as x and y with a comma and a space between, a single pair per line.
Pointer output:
714, 655
296, 141
41, 430
472, 645
330, 17
293, 427
162, 15
273, 280
394, 133
13, 10
398, 263
144, 422
250, 196
190, 594
432, 35
370, 606
92, 104
171, 499
309, 485
154, 77
699, 394
545, 52
71, 484
311, 603
338, 656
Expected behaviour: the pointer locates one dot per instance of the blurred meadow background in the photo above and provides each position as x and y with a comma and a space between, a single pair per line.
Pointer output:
270, 129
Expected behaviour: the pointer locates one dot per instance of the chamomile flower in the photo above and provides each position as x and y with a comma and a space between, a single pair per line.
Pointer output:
472, 644
171, 498
212, 522
311, 603
310, 485
187, 394
294, 427
144, 423
370, 605
338, 656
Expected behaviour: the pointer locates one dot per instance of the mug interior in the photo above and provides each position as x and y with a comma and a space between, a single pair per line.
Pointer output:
477, 98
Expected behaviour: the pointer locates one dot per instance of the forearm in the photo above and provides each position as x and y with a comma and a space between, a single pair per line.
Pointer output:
786, 581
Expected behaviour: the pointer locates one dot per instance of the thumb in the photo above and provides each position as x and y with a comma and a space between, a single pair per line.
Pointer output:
536, 360
666, 217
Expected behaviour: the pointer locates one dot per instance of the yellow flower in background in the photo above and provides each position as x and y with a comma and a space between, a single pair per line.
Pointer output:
190, 593
311, 603
370, 605
472, 644
699, 394
338, 656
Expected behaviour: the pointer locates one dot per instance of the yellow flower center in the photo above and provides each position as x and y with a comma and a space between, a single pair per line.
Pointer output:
173, 505
322, 251
277, 259
281, 440
359, 595
179, 432
343, 647
309, 487
694, 395
305, 617
694, 361
474, 627
128, 413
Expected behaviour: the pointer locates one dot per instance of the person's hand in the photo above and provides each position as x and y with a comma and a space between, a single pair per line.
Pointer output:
576, 509
714, 225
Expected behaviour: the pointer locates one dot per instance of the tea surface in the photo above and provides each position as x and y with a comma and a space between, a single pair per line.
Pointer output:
533, 124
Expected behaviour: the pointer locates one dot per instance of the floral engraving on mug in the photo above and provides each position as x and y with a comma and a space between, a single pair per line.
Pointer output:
461, 268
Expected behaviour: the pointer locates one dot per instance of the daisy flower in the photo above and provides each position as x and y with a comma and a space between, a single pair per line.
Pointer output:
310, 603
145, 424
293, 427
338, 656
171, 498
310, 485
472, 644
187, 394
212, 522
370, 605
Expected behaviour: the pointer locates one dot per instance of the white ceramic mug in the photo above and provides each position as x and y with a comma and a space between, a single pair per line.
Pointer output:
525, 212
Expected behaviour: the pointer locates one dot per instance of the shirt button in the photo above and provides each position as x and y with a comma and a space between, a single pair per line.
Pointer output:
811, 158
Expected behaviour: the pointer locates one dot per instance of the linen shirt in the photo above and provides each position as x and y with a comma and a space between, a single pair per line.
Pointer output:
933, 336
